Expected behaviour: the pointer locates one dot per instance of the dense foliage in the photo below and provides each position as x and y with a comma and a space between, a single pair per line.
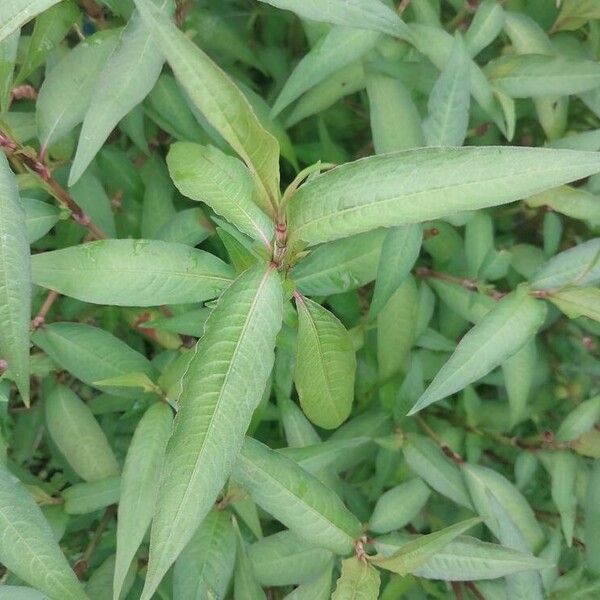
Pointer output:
299, 299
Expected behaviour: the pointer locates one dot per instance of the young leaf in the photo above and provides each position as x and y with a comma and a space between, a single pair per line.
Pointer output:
67, 90
362, 14
563, 471
220, 101
325, 365
579, 265
466, 559
286, 559
337, 49
437, 470
424, 184
449, 101
49, 30
296, 498
15, 281
519, 373
125, 80
400, 250
91, 354
417, 552
84, 498
139, 486
223, 385
578, 302
341, 265
205, 173
399, 506
485, 27
359, 581
132, 273
14, 13
501, 333
204, 568
28, 547
78, 435
579, 420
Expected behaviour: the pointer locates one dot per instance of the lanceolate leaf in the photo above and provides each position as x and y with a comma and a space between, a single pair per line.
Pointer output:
418, 551
204, 568
220, 102
449, 101
139, 485
14, 13
325, 365
78, 435
205, 173
296, 498
424, 184
126, 79
499, 335
15, 281
340, 47
132, 273
27, 544
67, 90
91, 354
467, 559
363, 14
359, 581
223, 385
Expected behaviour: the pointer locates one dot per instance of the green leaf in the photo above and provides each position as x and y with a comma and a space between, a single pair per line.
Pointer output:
245, 585
220, 101
341, 265
395, 120
84, 498
325, 365
399, 506
485, 26
399, 253
40, 217
437, 470
563, 466
89, 193
91, 354
299, 431
8, 57
205, 173
576, 203
578, 302
450, 99
78, 435
500, 334
362, 14
466, 559
575, 13
535, 75
296, 498
359, 581
286, 559
204, 568
67, 89
13, 592
488, 488
222, 387
28, 547
132, 273
519, 373
15, 13
418, 551
125, 80
578, 266
15, 281
337, 49
318, 588
592, 520
579, 420
49, 30
424, 184
139, 485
